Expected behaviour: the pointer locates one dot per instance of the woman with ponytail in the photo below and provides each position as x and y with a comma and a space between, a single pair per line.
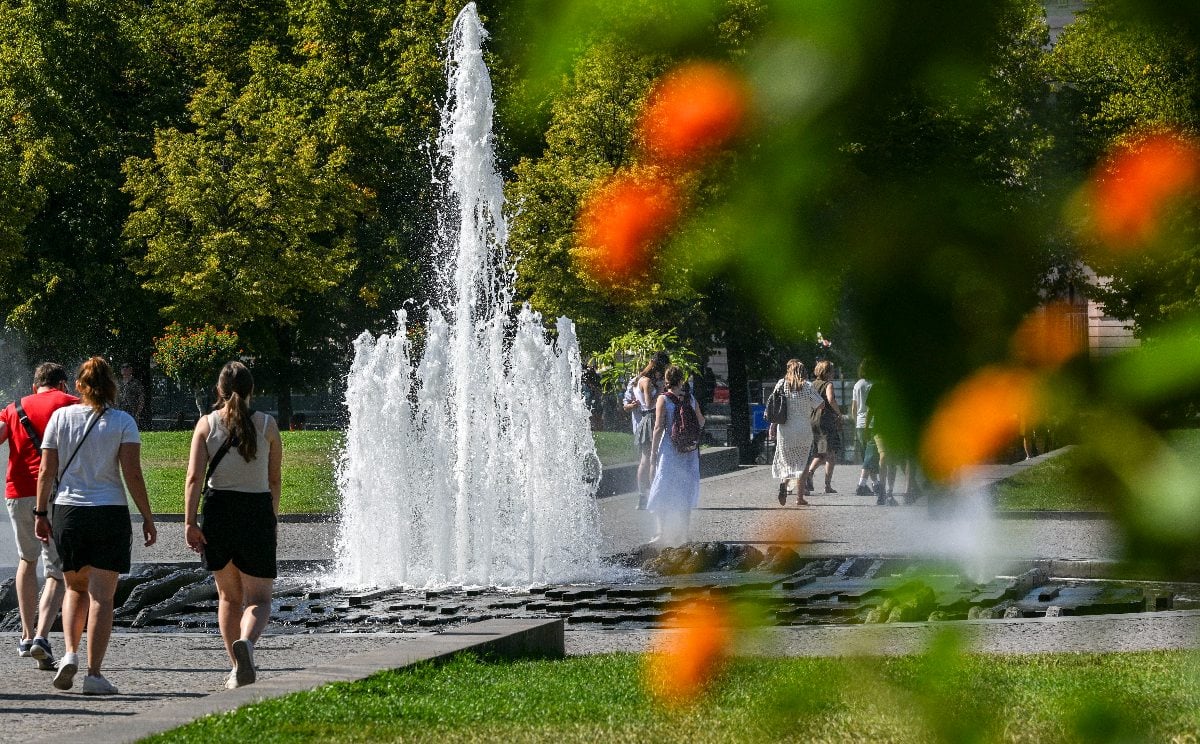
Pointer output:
86, 450
235, 462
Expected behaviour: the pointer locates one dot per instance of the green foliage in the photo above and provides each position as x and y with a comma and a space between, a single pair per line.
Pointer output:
943, 696
193, 356
629, 353
1118, 79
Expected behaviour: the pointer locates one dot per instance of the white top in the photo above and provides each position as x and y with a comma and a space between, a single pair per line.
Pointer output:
233, 473
629, 397
862, 389
93, 477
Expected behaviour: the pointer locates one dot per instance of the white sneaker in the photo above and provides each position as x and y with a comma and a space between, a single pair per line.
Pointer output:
231, 682
98, 685
67, 666
243, 667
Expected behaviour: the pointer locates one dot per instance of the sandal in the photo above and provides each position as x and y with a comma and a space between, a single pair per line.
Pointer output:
800, 500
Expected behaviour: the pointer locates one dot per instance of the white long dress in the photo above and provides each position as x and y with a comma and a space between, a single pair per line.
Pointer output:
794, 437
675, 490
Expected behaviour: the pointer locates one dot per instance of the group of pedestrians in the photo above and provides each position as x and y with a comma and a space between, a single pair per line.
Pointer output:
73, 459
811, 436
668, 475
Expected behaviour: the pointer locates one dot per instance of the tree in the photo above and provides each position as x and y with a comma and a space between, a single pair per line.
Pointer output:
1121, 79
66, 124
192, 357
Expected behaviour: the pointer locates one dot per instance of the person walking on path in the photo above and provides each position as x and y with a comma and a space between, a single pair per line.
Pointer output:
828, 433
646, 391
86, 450
235, 461
864, 440
675, 488
794, 436
131, 396
22, 424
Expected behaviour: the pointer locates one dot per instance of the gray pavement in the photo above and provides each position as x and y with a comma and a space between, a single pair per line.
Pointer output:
153, 670
1100, 633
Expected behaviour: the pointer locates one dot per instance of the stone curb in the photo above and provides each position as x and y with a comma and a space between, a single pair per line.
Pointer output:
500, 638
1067, 516
620, 479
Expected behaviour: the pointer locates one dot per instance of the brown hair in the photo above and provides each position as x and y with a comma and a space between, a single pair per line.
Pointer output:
674, 376
795, 374
96, 383
49, 374
823, 370
235, 385
656, 365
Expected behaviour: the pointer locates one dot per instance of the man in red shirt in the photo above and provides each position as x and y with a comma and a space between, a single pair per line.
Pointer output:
22, 424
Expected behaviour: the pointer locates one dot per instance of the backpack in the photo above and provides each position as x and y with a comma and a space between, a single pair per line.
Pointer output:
814, 417
685, 427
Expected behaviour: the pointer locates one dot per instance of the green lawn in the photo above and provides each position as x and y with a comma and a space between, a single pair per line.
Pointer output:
1150, 696
1055, 485
1048, 486
308, 463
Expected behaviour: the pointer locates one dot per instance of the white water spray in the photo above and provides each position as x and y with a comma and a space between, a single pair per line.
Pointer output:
477, 466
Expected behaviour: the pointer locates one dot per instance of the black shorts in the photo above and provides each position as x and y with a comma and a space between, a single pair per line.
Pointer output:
96, 536
239, 527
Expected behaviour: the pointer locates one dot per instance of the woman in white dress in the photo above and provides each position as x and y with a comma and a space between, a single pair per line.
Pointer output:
675, 488
794, 437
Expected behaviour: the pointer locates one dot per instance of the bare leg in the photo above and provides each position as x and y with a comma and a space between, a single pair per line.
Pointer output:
75, 607
102, 586
256, 593
27, 596
52, 597
229, 606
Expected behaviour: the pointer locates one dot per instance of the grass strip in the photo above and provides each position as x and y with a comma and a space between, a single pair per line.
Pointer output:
1150, 696
309, 461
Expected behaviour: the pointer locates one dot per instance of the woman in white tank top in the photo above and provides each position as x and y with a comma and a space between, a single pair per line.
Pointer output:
235, 462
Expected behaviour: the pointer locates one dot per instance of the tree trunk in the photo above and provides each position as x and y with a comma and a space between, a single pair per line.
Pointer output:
283, 380
739, 398
199, 396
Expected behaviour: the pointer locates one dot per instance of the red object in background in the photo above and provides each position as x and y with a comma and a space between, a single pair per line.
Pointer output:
622, 220
1136, 183
693, 110
721, 392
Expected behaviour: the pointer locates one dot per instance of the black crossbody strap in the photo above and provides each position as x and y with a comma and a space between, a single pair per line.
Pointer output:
232, 441
30, 429
71, 459
216, 460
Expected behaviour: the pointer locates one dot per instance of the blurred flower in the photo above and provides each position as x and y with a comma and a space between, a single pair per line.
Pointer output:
1046, 337
620, 222
1134, 185
688, 651
693, 110
978, 419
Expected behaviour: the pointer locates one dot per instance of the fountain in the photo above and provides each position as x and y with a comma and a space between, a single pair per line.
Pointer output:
472, 465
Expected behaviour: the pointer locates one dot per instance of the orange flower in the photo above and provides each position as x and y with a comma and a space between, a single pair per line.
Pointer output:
1047, 337
689, 650
691, 111
1136, 182
622, 220
978, 419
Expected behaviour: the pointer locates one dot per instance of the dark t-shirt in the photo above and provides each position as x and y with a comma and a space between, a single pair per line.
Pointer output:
23, 457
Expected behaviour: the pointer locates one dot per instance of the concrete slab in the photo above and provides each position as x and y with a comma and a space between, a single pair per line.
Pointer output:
168, 680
